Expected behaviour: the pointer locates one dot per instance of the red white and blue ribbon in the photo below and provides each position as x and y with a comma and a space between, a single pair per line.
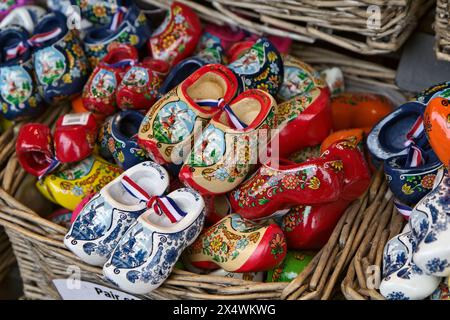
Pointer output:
403, 209
221, 104
16, 51
159, 204
414, 158
38, 39
416, 131
118, 18
54, 163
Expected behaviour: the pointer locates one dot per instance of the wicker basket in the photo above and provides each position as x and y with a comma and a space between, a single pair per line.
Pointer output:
382, 223
342, 23
6, 255
42, 256
442, 28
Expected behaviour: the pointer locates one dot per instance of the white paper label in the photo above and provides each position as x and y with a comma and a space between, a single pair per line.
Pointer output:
83, 290
76, 119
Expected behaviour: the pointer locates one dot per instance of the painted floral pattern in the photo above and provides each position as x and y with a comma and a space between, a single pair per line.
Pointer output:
295, 217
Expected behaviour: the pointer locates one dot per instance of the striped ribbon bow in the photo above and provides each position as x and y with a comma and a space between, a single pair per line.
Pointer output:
222, 105
159, 204
118, 18
417, 130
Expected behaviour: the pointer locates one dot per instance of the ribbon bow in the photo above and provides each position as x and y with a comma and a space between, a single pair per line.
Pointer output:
222, 105
117, 19
159, 204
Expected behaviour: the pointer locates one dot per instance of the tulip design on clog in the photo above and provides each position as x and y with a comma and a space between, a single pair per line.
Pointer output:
26, 17
437, 127
19, 96
68, 187
171, 124
307, 116
430, 225
60, 62
209, 51
177, 37
224, 154
102, 222
147, 253
34, 149
118, 138
99, 94
402, 279
139, 87
129, 26
74, 137
393, 135
261, 67
238, 245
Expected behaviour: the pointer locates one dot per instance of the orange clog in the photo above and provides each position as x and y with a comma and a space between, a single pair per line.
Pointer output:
437, 127
359, 110
355, 135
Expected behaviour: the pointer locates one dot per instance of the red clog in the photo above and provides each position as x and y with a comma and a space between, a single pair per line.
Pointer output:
437, 126
275, 188
217, 208
238, 49
75, 136
310, 227
177, 37
139, 87
34, 149
99, 94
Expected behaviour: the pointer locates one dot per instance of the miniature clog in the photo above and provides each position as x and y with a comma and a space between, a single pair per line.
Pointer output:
437, 128
402, 279
60, 62
108, 215
129, 26
394, 133
334, 77
147, 253
98, 12
299, 79
19, 96
430, 225
7, 6
118, 139
74, 137
410, 183
356, 136
359, 110
226, 151
26, 17
61, 217
238, 245
70, 186
261, 67
294, 263
209, 51
306, 117
238, 49
277, 187
177, 37
34, 149
226, 35
169, 127
139, 87
99, 93
217, 207
310, 227
438, 90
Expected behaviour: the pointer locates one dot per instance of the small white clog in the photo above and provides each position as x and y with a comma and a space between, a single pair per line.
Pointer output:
106, 217
402, 279
430, 223
147, 253
26, 17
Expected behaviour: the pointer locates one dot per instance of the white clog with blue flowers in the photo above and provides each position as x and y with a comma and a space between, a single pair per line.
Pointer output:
147, 253
106, 217
402, 279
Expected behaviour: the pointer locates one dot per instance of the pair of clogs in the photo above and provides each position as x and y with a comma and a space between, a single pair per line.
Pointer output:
49, 66
119, 80
135, 232
73, 140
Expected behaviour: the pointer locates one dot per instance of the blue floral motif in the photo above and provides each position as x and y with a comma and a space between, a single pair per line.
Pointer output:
242, 243
221, 174
397, 296
171, 255
437, 265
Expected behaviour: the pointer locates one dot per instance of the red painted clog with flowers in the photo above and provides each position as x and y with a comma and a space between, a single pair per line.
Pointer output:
177, 37
139, 87
277, 187
99, 94
437, 127
238, 245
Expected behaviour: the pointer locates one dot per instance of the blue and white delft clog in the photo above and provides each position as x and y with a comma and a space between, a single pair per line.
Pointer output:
19, 96
117, 139
430, 223
147, 253
59, 60
402, 279
107, 216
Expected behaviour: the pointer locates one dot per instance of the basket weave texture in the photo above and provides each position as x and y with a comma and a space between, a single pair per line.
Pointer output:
442, 28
